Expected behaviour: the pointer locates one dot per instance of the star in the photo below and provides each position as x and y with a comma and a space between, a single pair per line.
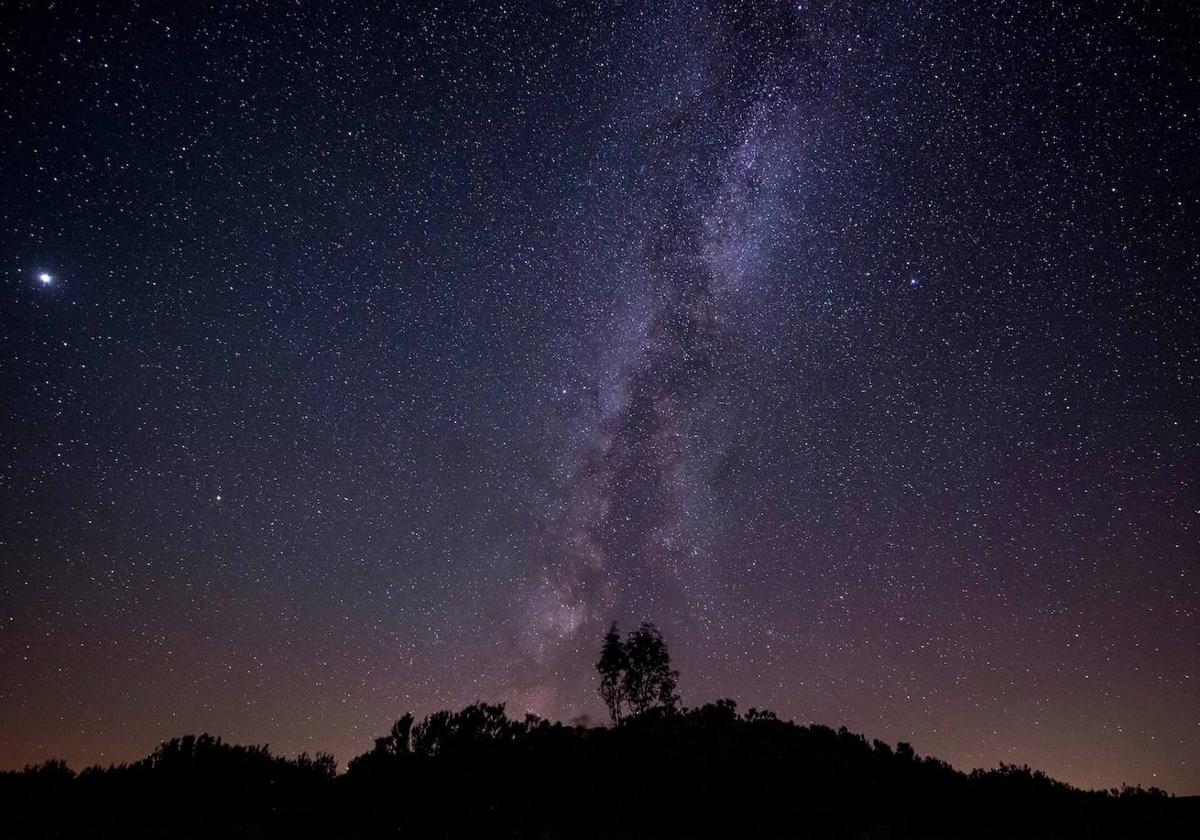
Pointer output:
750, 334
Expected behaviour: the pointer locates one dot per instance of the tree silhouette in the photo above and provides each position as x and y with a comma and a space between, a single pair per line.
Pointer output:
707, 773
636, 673
649, 682
611, 667
397, 742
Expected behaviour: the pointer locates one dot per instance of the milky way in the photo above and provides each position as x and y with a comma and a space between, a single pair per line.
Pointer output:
634, 532
390, 353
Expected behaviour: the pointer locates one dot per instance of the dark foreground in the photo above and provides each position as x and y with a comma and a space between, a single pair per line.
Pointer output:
702, 773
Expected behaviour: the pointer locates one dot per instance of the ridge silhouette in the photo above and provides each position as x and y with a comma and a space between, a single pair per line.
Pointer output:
660, 770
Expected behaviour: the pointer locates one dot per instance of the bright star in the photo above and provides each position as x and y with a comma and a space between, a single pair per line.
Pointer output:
46, 278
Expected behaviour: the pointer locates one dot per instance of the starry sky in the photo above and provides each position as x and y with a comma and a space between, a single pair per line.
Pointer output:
366, 357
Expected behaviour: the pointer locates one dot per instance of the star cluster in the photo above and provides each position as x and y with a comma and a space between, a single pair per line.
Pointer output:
360, 358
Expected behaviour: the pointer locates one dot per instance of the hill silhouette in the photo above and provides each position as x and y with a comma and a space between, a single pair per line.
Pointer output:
705, 772
662, 771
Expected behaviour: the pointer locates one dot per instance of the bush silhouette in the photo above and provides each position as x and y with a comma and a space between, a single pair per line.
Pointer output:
665, 771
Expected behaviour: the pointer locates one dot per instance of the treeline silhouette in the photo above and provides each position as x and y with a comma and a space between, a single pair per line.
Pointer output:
662, 771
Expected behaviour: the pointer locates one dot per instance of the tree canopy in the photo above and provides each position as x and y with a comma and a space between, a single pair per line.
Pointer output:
665, 771
635, 673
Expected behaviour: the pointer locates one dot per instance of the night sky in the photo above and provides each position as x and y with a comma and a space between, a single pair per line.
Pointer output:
364, 359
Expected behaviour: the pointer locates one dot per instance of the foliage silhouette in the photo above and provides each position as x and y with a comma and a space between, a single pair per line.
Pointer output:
663, 772
611, 666
635, 674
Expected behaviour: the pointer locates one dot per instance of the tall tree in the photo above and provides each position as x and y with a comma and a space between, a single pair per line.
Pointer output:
612, 668
648, 682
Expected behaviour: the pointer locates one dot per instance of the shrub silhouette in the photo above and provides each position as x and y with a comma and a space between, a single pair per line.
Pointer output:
665, 771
